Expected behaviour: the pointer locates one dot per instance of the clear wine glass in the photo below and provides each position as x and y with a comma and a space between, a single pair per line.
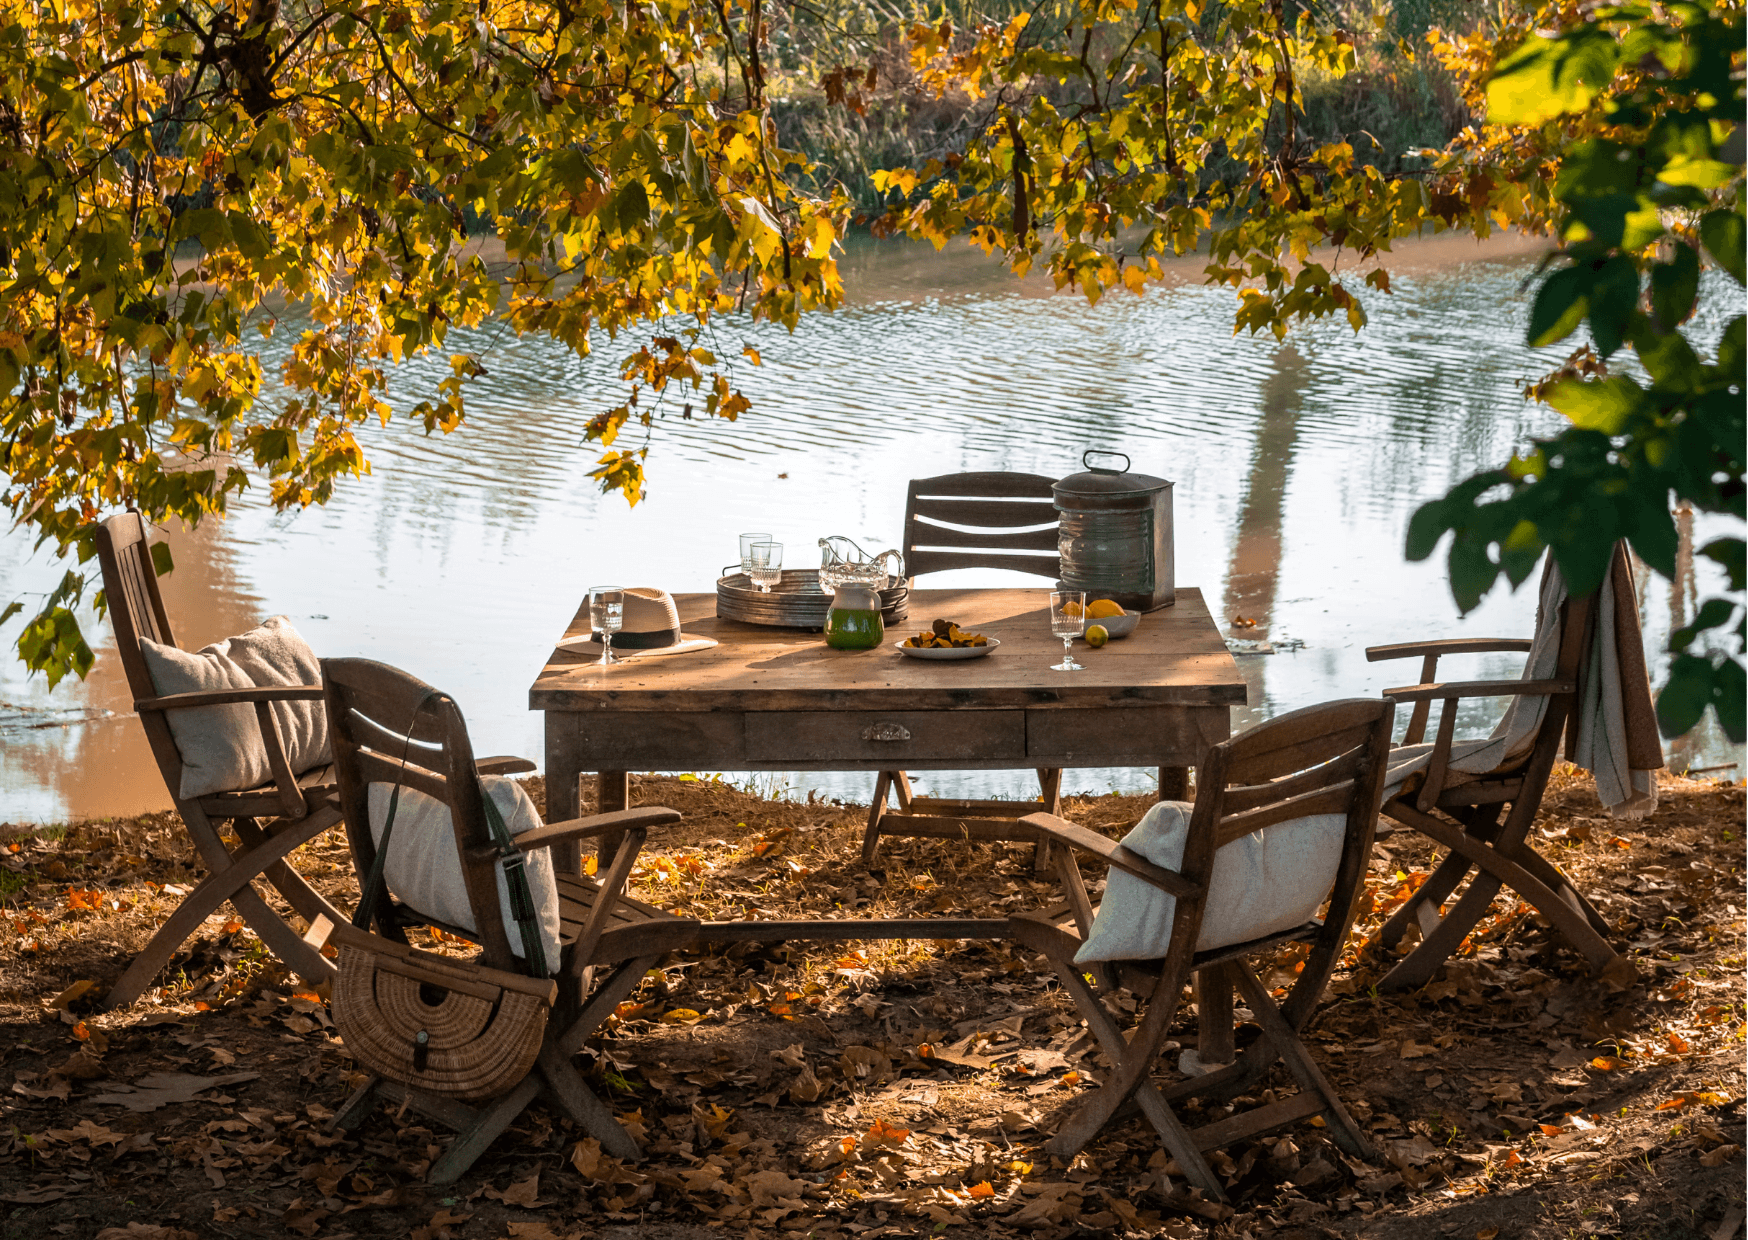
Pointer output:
1067, 621
606, 617
746, 550
767, 565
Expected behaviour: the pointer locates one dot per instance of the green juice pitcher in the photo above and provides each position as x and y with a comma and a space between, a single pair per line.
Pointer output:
854, 623
855, 579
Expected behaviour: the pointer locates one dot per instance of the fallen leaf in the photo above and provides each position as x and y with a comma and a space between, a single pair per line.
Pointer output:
1605, 1063
985, 1189
1721, 1155
444, 1225
883, 1133
767, 1187
64, 1001
158, 1089
806, 1086
524, 1193
1487, 1233
37, 1196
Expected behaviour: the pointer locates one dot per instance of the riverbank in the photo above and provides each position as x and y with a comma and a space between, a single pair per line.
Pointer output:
787, 1088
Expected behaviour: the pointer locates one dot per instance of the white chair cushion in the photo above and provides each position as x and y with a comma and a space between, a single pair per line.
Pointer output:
1266, 882
221, 746
423, 868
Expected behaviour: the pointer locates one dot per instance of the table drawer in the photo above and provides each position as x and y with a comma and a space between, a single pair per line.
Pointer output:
819, 735
1125, 736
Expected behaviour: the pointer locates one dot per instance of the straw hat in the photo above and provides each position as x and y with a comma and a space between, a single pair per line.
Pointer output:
650, 620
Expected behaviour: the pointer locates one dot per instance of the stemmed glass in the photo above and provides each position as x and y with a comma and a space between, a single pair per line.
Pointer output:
767, 565
1067, 621
606, 617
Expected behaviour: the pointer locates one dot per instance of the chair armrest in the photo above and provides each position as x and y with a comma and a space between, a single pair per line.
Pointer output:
502, 764
1059, 831
1462, 645
1479, 688
231, 697
596, 825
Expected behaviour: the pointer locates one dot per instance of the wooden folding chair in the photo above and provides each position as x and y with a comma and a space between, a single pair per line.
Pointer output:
1322, 760
269, 821
1463, 812
975, 520
609, 941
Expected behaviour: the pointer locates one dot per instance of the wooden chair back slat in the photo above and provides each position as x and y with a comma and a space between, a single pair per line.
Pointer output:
395, 711
998, 514
1297, 741
1334, 799
1242, 797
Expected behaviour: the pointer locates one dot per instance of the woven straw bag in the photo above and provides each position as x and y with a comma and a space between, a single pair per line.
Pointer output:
464, 1031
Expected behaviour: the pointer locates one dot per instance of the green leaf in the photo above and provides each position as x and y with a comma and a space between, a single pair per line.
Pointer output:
1546, 77
1613, 301
1425, 528
1722, 234
1597, 404
1713, 613
1560, 305
1685, 695
1728, 552
1675, 287
161, 561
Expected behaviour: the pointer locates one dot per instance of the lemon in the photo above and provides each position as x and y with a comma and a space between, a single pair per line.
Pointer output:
1103, 609
1071, 609
1097, 636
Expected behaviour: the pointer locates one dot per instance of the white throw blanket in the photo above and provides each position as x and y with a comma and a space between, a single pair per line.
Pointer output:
1616, 742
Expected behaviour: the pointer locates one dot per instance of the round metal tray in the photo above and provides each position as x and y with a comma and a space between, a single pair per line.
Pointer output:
796, 602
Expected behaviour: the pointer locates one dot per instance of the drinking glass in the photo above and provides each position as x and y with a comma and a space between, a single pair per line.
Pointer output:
767, 565
1067, 621
606, 617
746, 550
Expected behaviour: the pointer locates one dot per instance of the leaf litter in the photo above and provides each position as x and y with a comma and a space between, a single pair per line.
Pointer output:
893, 1089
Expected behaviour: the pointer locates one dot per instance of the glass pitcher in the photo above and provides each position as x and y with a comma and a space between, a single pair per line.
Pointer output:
841, 562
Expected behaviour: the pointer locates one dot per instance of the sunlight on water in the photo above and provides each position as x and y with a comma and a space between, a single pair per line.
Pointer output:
462, 558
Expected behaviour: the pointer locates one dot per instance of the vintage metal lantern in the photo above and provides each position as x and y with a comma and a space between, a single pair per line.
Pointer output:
1115, 535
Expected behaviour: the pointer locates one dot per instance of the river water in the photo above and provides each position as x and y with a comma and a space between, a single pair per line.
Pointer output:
1296, 465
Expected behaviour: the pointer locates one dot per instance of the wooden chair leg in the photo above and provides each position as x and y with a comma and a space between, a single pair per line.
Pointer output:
876, 810
230, 883
1085, 1122
304, 899
1416, 969
1293, 1053
1432, 894
488, 1124
617, 984
356, 1109
581, 1104
1214, 1034
1569, 921
901, 788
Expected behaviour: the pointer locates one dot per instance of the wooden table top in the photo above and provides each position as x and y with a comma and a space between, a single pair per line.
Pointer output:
1174, 657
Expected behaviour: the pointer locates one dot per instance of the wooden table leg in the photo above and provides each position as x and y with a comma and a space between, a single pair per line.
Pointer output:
1174, 783
563, 799
612, 793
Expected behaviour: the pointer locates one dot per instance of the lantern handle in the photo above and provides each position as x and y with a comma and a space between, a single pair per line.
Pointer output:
1103, 452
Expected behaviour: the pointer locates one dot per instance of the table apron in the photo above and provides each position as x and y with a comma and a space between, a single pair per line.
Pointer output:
872, 740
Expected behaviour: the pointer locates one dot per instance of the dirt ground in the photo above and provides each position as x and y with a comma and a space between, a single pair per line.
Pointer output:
878, 1090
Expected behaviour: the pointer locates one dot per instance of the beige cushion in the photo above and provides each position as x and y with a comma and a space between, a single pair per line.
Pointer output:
1262, 883
221, 746
423, 868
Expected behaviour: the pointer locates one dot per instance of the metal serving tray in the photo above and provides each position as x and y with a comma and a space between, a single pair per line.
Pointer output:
796, 602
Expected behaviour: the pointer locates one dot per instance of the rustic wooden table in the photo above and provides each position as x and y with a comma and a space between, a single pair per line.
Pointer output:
780, 699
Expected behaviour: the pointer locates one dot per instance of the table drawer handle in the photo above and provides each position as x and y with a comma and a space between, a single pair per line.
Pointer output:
886, 732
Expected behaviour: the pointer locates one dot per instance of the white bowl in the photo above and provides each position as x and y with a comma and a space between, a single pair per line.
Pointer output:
1118, 626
